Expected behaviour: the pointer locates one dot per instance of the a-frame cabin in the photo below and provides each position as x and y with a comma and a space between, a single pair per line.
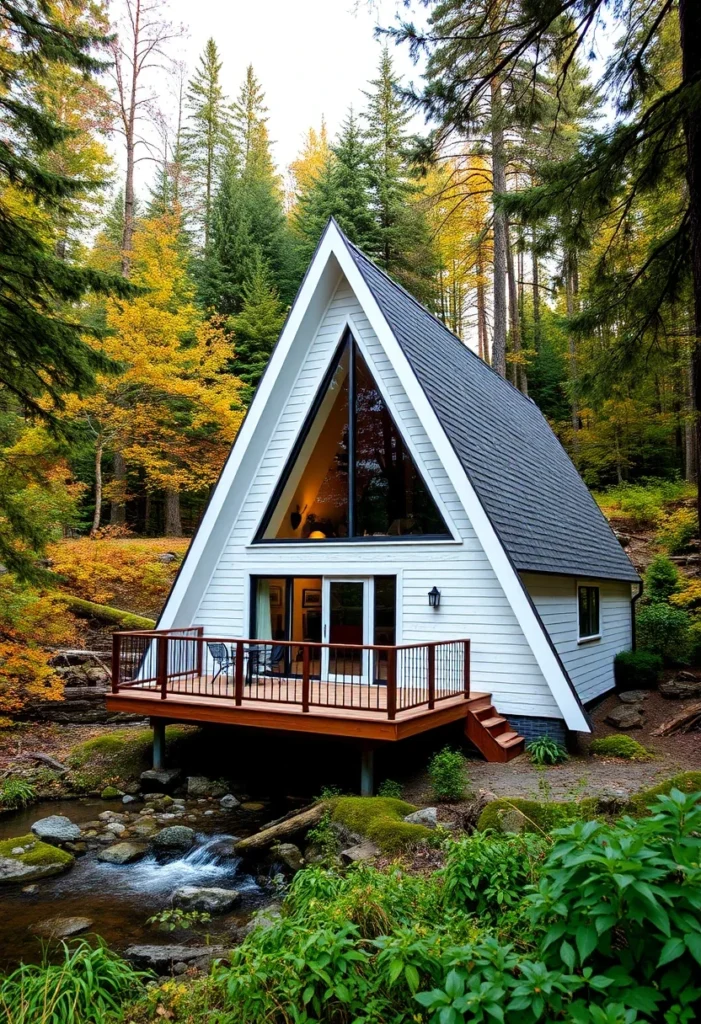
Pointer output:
397, 540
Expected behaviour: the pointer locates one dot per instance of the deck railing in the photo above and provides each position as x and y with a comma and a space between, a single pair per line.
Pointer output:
377, 678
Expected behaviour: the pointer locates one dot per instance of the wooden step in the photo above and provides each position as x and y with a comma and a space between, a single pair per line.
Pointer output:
491, 733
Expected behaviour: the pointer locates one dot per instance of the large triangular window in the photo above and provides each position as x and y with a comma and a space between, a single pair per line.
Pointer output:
350, 475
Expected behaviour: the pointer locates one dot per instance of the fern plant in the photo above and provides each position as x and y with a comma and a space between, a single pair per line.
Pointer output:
545, 750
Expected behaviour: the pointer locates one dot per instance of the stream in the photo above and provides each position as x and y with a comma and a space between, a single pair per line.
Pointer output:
119, 898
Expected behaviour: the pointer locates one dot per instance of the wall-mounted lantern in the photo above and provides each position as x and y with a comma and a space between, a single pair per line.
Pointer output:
434, 597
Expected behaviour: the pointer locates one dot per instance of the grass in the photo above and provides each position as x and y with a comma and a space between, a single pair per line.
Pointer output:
40, 854
15, 793
381, 819
619, 745
87, 986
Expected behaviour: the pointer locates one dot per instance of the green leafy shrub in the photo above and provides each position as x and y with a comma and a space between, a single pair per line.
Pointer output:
174, 918
446, 770
665, 631
619, 745
678, 529
381, 819
16, 792
485, 873
661, 579
87, 986
323, 836
645, 502
545, 750
637, 670
390, 788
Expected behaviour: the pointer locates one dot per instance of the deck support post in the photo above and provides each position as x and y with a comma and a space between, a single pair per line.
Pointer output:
367, 769
159, 743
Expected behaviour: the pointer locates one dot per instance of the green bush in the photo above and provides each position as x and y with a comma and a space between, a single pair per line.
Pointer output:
545, 750
664, 631
381, 819
16, 792
390, 788
661, 579
637, 670
678, 529
619, 745
87, 986
446, 770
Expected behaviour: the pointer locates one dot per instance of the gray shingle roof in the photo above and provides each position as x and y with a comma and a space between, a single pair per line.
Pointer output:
538, 503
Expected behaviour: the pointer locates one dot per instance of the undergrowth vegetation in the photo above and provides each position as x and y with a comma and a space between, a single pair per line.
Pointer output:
447, 772
545, 750
381, 819
597, 923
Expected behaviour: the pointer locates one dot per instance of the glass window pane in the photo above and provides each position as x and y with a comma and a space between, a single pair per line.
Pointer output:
588, 611
390, 496
385, 631
314, 501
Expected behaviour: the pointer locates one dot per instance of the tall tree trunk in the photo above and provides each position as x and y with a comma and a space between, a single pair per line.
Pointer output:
482, 336
130, 132
571, 288
536, 296
118, 508
520, 377
690, 34
98, 489
499, 232
173, 525
690, 465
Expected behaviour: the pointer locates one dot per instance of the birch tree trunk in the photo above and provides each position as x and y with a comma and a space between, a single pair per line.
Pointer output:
98, 490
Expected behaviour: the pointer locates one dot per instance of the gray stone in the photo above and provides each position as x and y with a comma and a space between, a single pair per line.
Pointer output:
290, 855
264, 918
111, 816
612, 802
224, 849
167, 556
229, 802
144, 827
14, 869
61, 927
681, 688
56, 829
512, 820
360, 852
427, 816
160, 780
162, 958
175, 837
129, 799
116, 827
200, 786
626, 716
211, 900
123, 853
633, 696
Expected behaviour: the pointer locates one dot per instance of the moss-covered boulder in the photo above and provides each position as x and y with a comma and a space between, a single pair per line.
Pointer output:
117, 758
380, 819
686, 782
519, 815
26, 858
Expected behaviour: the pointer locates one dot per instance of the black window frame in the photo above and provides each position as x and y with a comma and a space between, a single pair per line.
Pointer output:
590, 616
352, 538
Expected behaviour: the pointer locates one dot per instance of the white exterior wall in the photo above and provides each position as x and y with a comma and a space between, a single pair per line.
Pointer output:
589, 664
473, 603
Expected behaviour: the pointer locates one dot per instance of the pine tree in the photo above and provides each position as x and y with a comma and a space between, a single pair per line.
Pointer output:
207, 136
310, 163
403, 245
257, 326
250, 127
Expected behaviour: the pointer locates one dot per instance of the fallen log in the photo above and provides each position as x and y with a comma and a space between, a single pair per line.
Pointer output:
46, 759
685, 720
285, 828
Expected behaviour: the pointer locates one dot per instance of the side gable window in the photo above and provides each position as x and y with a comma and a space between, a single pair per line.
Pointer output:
589, 614
351, 475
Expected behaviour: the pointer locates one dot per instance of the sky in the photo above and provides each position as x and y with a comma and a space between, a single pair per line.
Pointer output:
313, 58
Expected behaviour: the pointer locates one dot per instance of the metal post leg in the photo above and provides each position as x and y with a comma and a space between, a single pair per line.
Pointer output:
159, 743
367, 770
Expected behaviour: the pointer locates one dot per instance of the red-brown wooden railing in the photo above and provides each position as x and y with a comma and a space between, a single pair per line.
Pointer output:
369, 677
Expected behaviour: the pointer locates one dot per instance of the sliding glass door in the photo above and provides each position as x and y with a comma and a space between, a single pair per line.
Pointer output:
346, 627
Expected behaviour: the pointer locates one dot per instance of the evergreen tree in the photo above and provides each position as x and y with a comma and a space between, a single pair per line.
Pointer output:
257, 326
206, 137
403, 243
250, 127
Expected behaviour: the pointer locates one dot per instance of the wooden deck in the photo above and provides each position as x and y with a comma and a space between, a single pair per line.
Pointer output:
356, 721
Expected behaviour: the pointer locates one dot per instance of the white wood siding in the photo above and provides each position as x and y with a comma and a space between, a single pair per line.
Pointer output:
590, 665
473, 603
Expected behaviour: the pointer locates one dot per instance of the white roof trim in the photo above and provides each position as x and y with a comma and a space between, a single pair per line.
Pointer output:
332, 243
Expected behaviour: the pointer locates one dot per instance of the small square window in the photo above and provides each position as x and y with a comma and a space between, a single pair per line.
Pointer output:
588, 612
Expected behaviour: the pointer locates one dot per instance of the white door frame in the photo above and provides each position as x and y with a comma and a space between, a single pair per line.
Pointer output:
368, 606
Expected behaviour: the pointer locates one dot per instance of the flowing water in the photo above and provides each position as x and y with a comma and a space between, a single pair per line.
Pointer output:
119, 898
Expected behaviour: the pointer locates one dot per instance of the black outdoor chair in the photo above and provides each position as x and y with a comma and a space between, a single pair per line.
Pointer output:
262, 659
223, 657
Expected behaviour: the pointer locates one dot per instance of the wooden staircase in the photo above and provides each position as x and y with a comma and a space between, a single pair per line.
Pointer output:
491, 733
